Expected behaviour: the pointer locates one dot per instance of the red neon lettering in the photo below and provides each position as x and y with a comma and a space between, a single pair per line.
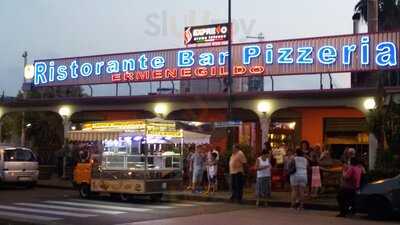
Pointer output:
171, 73
223, 71
142, 76
213, 71
129, 76
116, 77
157, 75
257, 70
239, 70
201, 72
186, 72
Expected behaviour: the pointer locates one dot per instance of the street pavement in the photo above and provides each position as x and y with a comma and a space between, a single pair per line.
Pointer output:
60, 206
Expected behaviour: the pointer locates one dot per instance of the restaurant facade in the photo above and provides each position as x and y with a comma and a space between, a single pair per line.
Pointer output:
334, 118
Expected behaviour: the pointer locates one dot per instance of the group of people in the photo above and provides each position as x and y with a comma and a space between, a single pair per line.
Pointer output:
202, 164
304, 172
301, 169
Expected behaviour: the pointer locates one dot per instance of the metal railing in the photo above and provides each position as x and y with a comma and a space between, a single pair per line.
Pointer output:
141, 162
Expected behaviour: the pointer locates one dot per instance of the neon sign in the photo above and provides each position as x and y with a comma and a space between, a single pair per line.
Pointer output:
363, 52
206, 34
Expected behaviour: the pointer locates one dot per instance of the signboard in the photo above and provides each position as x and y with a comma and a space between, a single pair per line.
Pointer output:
163, 129
348, 53
118, 186
227, 124
195, 35
120, 125
164, 133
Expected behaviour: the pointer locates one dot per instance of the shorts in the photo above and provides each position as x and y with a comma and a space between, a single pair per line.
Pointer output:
296, 180
263, 187
197, 176
212, 179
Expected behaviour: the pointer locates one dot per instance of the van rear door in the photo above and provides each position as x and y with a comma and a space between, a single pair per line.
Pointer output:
21, 162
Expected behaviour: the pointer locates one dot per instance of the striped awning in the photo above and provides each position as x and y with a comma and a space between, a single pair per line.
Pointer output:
93, 135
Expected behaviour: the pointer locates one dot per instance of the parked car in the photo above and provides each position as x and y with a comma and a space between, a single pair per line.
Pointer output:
380, 199
18, 165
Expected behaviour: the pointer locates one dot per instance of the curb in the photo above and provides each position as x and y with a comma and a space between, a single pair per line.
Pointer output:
271, 203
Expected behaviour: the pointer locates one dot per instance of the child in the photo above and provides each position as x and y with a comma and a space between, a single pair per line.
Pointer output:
263, 167
212, 173
315, 179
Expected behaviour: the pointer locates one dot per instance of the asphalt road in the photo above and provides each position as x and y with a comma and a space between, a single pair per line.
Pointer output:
56, 206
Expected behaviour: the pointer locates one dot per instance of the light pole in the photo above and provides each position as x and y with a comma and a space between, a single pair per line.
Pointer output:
230, 100
25, 56
65, 113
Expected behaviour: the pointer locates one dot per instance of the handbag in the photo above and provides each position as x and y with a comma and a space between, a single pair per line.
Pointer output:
292, 167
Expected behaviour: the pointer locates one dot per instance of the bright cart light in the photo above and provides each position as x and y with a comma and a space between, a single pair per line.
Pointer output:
160, 108
369, 104
29, 72
65, 111
263, 107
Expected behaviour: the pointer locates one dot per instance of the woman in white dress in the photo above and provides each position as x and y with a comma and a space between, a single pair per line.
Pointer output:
298, 180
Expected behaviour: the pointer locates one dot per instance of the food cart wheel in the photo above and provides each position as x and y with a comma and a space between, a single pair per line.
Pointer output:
156, 197
125, 197
84, 191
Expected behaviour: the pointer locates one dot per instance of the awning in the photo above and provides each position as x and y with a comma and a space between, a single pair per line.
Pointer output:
190, 137
93, 135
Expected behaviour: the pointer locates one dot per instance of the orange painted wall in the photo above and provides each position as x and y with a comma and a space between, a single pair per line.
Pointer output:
313, 120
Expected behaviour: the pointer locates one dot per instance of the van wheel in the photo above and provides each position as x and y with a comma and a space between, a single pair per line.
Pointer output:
84, 191
379, 208
156, 197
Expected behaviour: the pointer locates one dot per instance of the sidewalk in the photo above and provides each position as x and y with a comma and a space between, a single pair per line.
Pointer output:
278, 199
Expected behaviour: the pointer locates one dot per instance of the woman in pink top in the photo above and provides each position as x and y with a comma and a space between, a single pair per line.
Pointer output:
350, 185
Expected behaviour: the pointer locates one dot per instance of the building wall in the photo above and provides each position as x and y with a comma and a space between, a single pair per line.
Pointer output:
218, 86
312, 128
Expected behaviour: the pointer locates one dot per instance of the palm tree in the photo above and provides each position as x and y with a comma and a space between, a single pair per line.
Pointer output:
388, 13
388, 20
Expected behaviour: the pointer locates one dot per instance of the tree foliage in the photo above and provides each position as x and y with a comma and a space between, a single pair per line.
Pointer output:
43, 130
388, 13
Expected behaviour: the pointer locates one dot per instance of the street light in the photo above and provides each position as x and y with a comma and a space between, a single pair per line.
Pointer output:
65, 111
264, 107
257, 83
369, 104
161, 109
260, 36
29, 72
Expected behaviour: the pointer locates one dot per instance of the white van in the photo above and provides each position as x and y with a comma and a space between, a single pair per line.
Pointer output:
18, 165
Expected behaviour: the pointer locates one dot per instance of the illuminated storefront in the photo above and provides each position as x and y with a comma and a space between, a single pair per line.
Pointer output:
318, 116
